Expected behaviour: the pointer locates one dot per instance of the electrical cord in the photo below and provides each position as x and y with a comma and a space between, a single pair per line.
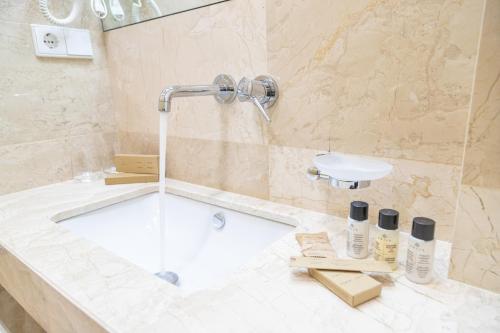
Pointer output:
75, 11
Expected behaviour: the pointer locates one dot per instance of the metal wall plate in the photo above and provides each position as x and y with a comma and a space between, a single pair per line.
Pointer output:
272, 91
227, 86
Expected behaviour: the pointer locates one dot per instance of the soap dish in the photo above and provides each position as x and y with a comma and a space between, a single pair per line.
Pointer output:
348, 171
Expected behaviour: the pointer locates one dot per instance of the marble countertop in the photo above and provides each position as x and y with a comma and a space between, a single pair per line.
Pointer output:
264, 296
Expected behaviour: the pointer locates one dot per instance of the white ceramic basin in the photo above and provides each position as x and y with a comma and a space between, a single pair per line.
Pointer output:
351, 167
201, 255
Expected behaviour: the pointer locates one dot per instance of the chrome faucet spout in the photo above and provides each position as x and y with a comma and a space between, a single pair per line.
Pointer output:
184, 91
223, 88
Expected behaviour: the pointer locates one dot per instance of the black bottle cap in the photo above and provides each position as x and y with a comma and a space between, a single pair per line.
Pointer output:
423, 228
359, 211
388, 219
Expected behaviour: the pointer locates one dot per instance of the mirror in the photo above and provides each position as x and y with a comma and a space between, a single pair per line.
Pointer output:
126, 12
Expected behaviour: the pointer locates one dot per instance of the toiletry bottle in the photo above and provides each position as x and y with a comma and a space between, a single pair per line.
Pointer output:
420, 256
387, 238
358, 230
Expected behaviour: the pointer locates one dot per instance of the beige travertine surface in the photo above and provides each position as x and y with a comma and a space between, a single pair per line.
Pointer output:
229, 166
413, 188
384, 78
482, 152
52, 111
53, 311
476, 245
390, 79
264, 296
13, 318
210, 144
56, 115
189, 48
476, 248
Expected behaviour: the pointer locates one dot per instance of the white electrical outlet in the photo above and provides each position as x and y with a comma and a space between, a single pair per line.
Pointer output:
49, 41
54, 41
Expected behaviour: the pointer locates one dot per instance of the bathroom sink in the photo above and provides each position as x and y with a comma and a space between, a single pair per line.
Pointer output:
204, 244
351, 167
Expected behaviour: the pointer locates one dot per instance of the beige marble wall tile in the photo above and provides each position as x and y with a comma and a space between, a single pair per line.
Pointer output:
47, 98
28, 165
482, 155
46, 103
236, 167
91, 152
74, 102
190, 48
385, 78
475, 257
40, 163
413, 188
13, 318
137, 143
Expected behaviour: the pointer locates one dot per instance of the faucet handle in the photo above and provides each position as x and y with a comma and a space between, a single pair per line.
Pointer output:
262, 92
261, 108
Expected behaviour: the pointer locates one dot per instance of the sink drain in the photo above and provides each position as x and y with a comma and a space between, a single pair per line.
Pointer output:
219, 221
168, 276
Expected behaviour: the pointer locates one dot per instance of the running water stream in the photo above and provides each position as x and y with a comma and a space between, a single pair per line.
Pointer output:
161, 190
163, 273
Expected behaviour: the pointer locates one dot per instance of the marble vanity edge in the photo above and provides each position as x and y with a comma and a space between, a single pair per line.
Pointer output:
98, 196
105, 196
50, 294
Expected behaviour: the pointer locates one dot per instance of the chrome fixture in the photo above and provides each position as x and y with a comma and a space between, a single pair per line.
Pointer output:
262, 91
347, 171
315, 174
219, 221
170, 277
223, 89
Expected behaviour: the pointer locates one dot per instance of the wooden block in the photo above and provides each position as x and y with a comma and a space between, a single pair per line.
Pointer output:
130, 178
359, 265
352, 287
137, 163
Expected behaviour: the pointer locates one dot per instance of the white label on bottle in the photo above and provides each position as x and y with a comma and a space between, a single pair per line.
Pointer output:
357, 238
419, 260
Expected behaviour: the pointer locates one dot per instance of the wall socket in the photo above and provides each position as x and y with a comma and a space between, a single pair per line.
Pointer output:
60, 42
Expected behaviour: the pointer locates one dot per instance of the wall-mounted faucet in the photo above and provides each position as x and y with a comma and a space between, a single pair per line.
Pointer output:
223, 89
262, 91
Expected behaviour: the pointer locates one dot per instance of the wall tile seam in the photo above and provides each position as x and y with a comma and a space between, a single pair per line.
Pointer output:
467, 126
